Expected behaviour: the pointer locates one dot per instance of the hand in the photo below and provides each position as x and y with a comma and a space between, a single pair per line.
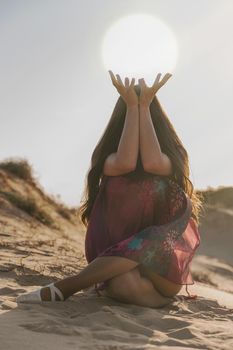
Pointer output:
147, 93
126, 91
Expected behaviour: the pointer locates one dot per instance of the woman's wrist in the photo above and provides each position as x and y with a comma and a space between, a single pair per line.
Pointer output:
132, 106
144, 105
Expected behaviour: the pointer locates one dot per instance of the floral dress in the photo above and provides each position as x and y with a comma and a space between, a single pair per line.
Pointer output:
148, 221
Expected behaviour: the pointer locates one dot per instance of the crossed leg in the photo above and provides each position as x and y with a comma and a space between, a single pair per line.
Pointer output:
126, 282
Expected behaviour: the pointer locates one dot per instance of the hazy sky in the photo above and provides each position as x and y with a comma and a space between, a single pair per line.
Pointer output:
56, 96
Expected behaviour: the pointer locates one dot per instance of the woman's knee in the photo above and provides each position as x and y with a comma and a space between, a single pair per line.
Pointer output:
131, 287
125, 285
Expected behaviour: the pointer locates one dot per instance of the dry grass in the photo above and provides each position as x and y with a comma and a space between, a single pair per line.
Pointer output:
221, 196
18, 167
29, 206
22, 169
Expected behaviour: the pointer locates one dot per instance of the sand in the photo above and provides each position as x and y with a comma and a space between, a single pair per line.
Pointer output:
86, 321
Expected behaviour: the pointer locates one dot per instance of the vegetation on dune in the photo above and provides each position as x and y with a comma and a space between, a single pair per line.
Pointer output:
29, 206
221, 196
19, 168
22, 169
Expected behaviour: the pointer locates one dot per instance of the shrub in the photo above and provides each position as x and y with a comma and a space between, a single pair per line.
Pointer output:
18, 167
29, 206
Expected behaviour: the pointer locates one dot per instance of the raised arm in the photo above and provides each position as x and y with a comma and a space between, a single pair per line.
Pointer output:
150, 150
128, 148
125, 159
153, 159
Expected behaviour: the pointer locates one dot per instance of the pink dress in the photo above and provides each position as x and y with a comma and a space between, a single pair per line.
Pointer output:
147, 220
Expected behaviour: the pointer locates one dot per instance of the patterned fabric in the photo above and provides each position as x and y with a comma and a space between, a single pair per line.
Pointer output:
148, 221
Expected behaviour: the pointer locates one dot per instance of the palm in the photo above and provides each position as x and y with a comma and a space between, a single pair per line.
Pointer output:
147, 92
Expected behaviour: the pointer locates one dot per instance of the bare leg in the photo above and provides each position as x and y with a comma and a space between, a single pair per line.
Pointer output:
126, 283
132, 288
100, 269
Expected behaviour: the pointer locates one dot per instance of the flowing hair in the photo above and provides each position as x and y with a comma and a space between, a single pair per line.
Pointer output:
170, 144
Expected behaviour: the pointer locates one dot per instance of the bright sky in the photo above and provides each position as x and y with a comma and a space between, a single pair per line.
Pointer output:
56, 95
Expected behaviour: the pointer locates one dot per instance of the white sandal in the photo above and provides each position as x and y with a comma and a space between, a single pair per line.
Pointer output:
35, 297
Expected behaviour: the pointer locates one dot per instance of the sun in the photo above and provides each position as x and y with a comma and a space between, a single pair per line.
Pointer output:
139, 45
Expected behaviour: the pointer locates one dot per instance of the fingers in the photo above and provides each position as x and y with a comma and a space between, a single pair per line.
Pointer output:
117, 82
129, 85
114, 81
142, 82
158, 83
126, 82
132, 82
156, 80
119, 79
165, 78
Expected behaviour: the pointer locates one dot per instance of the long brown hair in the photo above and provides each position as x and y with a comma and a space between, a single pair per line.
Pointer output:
170, 144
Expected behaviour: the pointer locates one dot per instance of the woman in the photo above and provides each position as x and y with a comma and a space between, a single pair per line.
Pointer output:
140, 210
